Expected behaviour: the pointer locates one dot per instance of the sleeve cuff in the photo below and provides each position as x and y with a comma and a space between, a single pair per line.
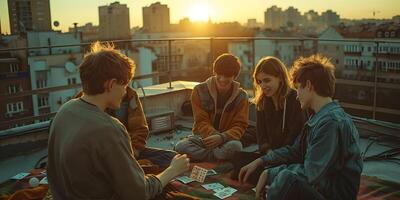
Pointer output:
265, 158
224, 136
273, 172
158, 188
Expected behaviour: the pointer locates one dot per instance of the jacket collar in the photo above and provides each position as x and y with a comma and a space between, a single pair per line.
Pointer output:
322, 112
211, 85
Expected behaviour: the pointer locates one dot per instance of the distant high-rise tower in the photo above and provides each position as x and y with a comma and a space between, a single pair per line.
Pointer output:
156, 18
330, 18
274, 17
114, 21
29, 15
292, 15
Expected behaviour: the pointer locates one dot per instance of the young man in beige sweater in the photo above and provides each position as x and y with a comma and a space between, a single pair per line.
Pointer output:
90, 155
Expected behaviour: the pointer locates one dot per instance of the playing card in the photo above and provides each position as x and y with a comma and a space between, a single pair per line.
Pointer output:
20, 176
212, 186
230, 190
44, 181
185, 179
211, 172
222, 194
198, 174
217, 190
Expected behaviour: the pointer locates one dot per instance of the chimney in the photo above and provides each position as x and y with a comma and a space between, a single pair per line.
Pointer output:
75, 29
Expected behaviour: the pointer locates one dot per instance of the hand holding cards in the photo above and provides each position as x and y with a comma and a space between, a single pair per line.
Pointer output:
198, 174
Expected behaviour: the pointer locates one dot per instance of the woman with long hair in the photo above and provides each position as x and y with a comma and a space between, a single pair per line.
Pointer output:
279, 114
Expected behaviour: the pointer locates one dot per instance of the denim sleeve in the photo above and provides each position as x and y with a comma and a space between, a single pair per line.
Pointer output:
321, 153
284, 155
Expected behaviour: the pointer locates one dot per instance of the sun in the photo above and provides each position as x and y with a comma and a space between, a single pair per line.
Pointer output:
199, 12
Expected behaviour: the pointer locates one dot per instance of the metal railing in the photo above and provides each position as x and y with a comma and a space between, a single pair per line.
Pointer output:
212, 51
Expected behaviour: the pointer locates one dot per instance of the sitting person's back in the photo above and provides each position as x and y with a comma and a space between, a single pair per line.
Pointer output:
89, 152
90, 138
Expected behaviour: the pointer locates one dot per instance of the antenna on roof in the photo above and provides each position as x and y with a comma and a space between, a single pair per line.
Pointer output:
374, 12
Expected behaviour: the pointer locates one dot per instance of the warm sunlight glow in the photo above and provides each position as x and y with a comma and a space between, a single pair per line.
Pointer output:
199, 13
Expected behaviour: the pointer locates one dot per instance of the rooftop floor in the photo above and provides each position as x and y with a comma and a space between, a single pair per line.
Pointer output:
385, 170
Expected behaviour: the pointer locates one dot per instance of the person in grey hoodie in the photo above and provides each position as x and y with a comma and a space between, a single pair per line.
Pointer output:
324, 162
89, 152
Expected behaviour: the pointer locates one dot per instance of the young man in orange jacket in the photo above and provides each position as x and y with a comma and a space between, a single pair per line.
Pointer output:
220, 109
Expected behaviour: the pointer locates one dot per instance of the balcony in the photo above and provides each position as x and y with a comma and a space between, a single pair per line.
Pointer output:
14, 75
352, 53
387, 55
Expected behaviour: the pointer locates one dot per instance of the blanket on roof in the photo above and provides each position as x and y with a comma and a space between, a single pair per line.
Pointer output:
370, 188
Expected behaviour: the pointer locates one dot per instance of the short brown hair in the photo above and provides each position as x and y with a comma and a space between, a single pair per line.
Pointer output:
272, 66
103, 63
227, 65
318, 70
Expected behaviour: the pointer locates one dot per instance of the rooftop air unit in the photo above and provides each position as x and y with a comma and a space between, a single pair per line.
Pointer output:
160, 121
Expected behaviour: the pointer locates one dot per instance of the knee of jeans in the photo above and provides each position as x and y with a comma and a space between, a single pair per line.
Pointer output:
171, 153
181, 146
234, 145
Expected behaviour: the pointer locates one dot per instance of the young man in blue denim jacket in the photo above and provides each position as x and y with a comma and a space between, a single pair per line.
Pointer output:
324, 162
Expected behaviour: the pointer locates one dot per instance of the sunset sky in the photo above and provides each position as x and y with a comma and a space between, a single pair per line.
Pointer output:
83, 11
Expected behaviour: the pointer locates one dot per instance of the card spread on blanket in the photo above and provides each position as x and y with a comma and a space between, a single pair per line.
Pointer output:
20, 176
213, 186
198, 174
185, 179
44, 181
211, 172
224, 193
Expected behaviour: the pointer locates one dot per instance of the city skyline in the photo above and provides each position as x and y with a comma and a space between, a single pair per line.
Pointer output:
64, 11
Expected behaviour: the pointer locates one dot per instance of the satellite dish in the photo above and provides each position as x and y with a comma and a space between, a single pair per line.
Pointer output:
70, 67
56, 23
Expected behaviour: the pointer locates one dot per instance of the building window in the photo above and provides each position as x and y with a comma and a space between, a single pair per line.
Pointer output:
387, 34
41, 83
14, 67
12, 89
71, 81
43, 101
15, 107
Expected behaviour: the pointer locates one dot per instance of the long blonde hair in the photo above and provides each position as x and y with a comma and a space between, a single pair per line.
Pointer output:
272, 66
